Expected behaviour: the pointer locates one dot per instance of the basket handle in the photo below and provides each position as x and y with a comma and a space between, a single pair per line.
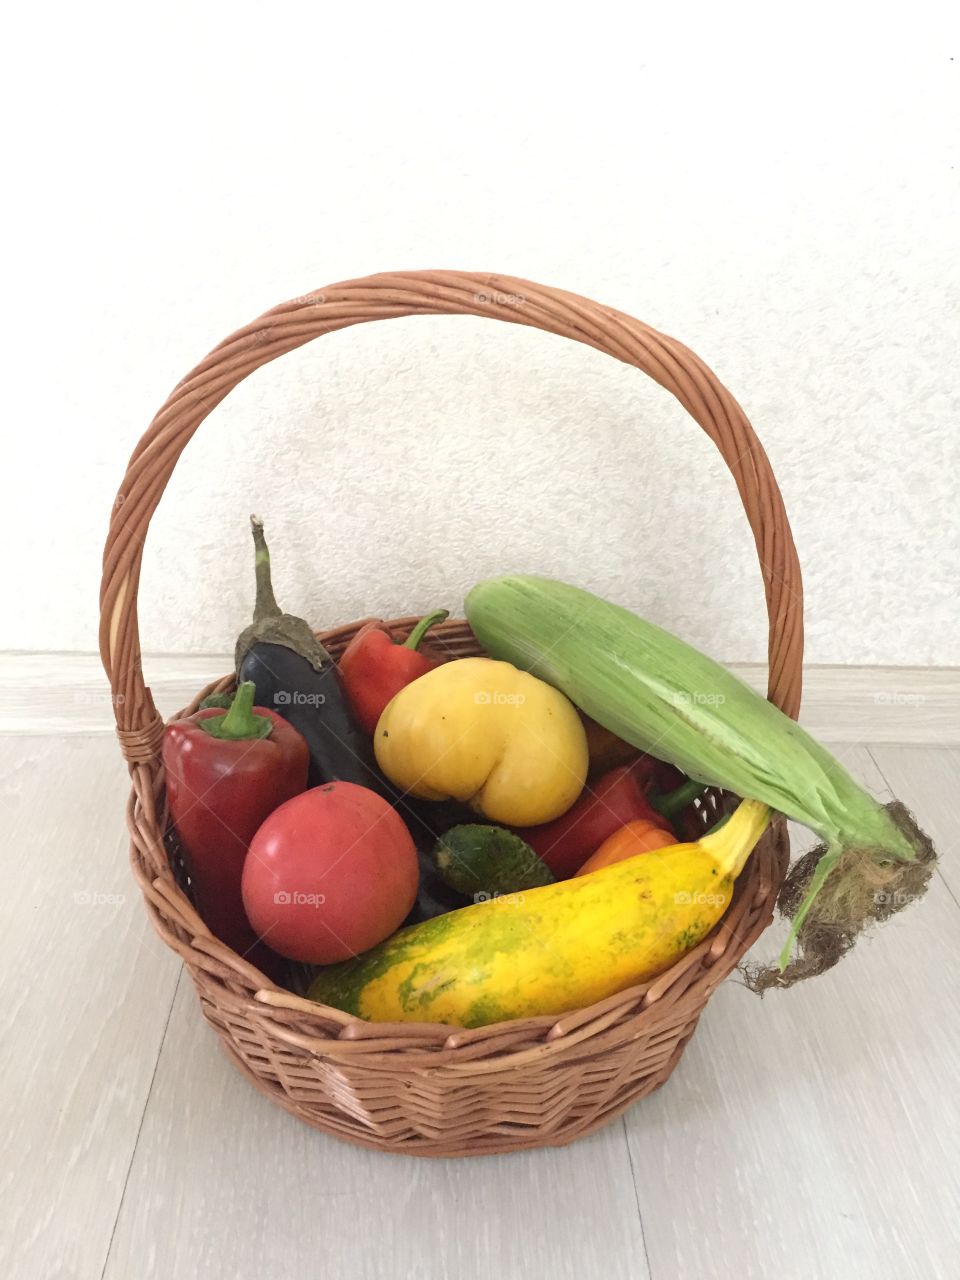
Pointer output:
409, 293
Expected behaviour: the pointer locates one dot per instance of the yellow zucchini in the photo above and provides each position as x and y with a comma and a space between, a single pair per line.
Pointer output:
551, 949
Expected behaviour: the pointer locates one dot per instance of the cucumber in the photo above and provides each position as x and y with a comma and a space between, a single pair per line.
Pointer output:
482, 861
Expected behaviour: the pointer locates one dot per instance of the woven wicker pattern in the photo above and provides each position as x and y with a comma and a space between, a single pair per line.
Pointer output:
424, 1088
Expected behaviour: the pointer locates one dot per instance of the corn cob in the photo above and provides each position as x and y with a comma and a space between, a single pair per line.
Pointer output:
663, 696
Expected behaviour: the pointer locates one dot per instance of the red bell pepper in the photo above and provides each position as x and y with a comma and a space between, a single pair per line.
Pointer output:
375, 668
619, 797
225, 772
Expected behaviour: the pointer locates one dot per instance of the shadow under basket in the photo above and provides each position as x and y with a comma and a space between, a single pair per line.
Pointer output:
425, 1088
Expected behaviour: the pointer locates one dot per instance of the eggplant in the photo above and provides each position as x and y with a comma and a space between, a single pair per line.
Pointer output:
296, 677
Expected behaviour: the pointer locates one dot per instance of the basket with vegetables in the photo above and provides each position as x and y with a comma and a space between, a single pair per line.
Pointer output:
462, 886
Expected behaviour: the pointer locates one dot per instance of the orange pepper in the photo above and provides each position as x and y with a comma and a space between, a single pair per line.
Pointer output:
639, 836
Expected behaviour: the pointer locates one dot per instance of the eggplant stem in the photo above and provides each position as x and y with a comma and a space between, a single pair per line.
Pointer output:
266, 604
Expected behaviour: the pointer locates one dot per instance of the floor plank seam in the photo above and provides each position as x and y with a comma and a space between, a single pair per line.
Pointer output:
636, 1193
143, 1115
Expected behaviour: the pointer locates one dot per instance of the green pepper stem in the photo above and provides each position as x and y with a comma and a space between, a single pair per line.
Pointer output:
266, 604
423, 626
673, 803
239, 722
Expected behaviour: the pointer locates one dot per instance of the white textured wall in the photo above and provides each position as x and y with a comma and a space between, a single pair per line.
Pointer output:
781, 195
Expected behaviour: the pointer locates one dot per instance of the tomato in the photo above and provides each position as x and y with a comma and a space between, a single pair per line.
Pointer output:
639, 836
329, 874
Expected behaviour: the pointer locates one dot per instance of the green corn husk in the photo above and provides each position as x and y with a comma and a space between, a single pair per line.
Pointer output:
663, 696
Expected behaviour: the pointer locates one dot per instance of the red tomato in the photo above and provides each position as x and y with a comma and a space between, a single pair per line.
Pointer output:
330, 874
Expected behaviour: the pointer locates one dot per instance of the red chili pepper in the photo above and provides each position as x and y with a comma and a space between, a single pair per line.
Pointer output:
605, 806
375, 668
225, 772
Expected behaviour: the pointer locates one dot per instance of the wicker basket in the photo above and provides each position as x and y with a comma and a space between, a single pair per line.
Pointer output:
426, 1089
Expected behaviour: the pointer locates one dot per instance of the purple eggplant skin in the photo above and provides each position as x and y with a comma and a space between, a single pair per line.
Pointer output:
315, 702
297, 677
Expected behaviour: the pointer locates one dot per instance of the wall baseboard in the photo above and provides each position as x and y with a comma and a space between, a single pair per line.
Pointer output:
67, 693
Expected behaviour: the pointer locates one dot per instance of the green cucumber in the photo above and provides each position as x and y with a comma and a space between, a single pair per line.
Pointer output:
483, 861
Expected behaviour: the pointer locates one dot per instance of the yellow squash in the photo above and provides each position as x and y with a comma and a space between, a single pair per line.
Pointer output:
552, 949
485, 733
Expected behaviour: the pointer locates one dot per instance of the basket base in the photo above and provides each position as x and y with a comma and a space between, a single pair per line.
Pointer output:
508, 1139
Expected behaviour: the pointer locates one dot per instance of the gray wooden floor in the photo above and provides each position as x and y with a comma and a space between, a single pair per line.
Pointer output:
811, 1134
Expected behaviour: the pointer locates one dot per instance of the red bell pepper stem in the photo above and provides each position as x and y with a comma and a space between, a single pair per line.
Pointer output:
239, 722
672, 803
374, 668
423, 626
